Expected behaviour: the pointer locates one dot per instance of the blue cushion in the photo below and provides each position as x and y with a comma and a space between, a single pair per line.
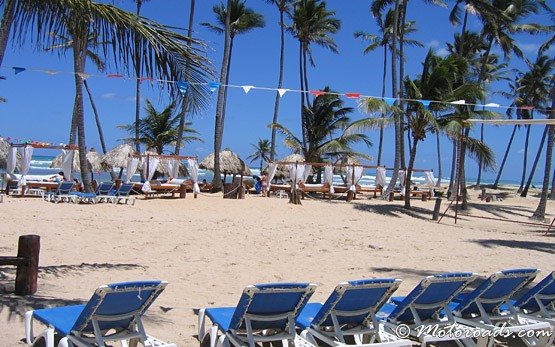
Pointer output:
61, 318
545, 287
307, 314
221, 316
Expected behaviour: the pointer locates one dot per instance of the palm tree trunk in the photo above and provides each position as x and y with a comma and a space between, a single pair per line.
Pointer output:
552, 194
5, 27
280, 83
496, 183
453, 166
79, 59
402, 82
219, 123
305, 76
138, 86
185, 102
439, 171
227, 79
540, 210
408, 176
73, 127
462, 171
463, 30
525, 159
398, 133
480, 164
533, 171
384, 78
303, 125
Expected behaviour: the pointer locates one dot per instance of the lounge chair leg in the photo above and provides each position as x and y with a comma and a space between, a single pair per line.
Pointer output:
29, 327
201, 325
49, 337
214, 336
65, 343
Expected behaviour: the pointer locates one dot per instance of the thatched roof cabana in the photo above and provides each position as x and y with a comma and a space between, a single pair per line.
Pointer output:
4, 149
163, 166
118, 157
283, 170
93, 157
230, 163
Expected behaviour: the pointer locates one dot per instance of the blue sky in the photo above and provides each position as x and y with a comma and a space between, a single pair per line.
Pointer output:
39, 105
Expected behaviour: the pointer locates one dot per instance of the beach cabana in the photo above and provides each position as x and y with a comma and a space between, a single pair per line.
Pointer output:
118, 157
230, 164
93, 158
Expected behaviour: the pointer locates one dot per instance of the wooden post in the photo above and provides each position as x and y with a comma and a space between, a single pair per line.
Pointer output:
241, 189
182, 190
27, 274
437, 207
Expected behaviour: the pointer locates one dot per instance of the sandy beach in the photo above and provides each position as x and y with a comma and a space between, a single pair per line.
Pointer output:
210, 248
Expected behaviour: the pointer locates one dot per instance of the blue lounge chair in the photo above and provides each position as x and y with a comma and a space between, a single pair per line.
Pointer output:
351, 310
539, 301
113, 313
265, 313
424, 313
122, 194
62, 193
485, 307
101, 191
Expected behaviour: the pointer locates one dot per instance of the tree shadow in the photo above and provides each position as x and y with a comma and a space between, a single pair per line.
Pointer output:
502, 211
545, 247
397, 211
405, 271
62, 270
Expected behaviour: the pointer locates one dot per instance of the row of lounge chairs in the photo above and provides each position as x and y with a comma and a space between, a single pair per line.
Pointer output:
360, 312
105, 192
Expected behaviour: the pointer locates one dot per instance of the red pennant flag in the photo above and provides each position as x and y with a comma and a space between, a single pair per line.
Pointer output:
526, 107
114, 76
317, 92
352, 95
146, 79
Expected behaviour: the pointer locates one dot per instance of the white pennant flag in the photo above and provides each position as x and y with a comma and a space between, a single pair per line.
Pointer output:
83, 75
492, 104
247, 88
459, 102
282, 91
51, 72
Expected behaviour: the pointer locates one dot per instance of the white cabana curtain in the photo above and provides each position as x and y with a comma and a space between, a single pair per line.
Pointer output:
430, 180
12, 162
67, 162
272, 168
193, 170
149, 167
358, 170
380, 176
173, 168
131, 169
307, 172
26, 154
296, 173
328, 177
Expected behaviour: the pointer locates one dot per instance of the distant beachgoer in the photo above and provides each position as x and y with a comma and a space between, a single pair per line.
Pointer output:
258, 185
59, 177
264, 183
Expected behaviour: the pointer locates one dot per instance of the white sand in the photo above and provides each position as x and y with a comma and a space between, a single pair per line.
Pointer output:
209, 249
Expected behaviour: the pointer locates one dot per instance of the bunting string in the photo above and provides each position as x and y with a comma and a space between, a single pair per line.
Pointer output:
213, 86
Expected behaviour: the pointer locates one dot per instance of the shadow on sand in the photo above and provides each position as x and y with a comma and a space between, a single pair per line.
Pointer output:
392, 210
545, 247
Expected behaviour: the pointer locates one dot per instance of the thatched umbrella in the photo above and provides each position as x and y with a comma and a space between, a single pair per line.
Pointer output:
230, 163
282, 171
93, 158
4, 150
117, 157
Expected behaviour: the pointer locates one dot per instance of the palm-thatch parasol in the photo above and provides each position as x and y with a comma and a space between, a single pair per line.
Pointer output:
93, 157
4, 150
344, 162
230, 163
282, 171
118, 156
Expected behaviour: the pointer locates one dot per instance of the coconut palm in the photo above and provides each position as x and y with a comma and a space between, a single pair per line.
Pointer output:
163, 52
159, 129
262, 151
5, 26
535, 84
137, 68
312, 23
233, 19
384, 41
283, 6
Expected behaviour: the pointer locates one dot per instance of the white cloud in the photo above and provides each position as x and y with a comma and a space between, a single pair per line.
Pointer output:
442, 52
200, 149
433, 43
108, 96
130, 98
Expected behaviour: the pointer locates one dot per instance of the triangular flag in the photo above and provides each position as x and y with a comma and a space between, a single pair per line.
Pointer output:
247, 88
352, 95
17, 70
212, 86
182, 87
492, 104
425, 103
2, 77
141, 79
526, 107
389, 101
113, 75
459, 102
84, 75
282, 91
317, 92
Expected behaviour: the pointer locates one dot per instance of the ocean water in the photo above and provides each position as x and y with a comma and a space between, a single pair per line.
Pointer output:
40, 165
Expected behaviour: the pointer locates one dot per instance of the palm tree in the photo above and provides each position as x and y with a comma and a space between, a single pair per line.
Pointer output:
384, 41
5, 26
262, 151
164, 52
283, 6
536, 85
311, 23
137, 67
159, 129
233, 19
330, 132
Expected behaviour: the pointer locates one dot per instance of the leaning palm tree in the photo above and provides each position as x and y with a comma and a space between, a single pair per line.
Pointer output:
163, 53
233, 19
312, 23
384, 41
262, 151
159, 129
283, 6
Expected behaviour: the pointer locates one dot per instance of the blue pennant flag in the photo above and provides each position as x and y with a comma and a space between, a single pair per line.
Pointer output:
182, 87
389, 101
18, 69
213, 86
425, 103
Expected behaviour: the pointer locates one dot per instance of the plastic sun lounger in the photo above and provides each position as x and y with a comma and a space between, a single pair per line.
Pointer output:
122, 194
425, 308
539, 301
482, 307
265, 313
63, 193
113, 313
102, 190
351, 310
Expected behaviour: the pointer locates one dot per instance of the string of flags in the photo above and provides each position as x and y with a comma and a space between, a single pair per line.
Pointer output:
213, 86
